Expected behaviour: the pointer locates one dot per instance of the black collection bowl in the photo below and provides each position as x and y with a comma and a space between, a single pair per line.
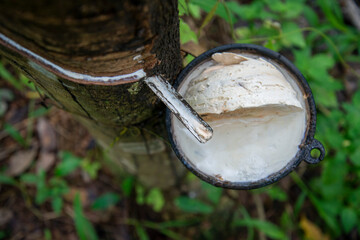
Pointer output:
308, 142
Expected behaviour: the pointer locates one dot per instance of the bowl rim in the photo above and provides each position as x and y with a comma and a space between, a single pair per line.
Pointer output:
308, 142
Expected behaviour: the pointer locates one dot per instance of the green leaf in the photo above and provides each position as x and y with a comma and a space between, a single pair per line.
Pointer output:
329, 128
251, 11
158, 226
270, 44
208, 5
6, 180
25, 81
292, 35
140, 194
42, 192
287, 220
277, 6
57, 182
58, 191
68, 164
7, 76
286, 9
105, 201
183, 8
41, 111
47, 234
276, 193
91, 168
2, 234
57, 204
84, 228
293, 9
188, 59
311, 16
141, 232
325, 213
354, 197
332, 12
195, 11
186, 34
42, 195
156, 199
213, 193
348, 219
353, 119
356, 99
315, 68
334, 173
127, 186
269, 229
29, 178
14, 133
302, 57
321, 61
191, 205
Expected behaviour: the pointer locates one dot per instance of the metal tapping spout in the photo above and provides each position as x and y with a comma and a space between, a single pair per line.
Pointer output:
181, 109
172, 99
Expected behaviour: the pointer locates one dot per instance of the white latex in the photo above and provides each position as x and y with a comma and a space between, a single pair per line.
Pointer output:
258, 118
239, 82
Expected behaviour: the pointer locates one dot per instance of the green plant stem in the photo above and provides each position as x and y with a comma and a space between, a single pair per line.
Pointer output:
324, 110
27, 200
228, 13
154, 226
295, 177
208, 17
250, 229
261, 213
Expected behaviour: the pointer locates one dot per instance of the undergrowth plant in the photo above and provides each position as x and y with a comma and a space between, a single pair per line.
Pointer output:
52, 188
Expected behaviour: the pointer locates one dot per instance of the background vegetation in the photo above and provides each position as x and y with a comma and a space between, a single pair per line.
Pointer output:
48, 192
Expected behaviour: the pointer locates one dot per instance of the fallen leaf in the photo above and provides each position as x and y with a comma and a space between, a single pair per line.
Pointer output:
45, 161
36, 234
47, 135
193, 48
82, 193
7, 151
5, 216
99, 216
32, 95
21, 161
3, 108
312, 232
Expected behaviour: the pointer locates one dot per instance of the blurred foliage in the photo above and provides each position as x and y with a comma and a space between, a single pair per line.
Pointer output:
84, 228
315, 35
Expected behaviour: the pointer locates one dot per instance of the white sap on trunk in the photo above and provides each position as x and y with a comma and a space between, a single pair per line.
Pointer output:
257, 112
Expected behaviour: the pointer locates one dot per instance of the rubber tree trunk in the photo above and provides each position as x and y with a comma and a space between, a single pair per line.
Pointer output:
89, 59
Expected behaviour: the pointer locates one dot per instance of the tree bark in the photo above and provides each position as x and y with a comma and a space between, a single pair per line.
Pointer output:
89, 59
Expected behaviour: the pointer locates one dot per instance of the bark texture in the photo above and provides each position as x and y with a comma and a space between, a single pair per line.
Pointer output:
103, 38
